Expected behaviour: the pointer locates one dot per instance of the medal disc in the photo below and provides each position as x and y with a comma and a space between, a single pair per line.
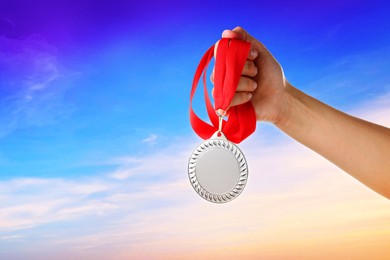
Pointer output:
218, 170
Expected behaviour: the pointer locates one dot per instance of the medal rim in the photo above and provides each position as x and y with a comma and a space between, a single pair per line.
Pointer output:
219, 142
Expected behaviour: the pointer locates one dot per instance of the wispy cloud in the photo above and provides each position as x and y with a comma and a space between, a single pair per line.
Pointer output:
33, 81
150, 140
360, 77
376, 110
295, 202
26, 204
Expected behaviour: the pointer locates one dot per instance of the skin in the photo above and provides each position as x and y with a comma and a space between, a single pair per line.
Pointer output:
360, 148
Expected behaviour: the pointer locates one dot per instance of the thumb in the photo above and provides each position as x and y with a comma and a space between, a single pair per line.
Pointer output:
240, 34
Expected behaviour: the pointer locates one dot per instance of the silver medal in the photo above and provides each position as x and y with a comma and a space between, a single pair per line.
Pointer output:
217, 169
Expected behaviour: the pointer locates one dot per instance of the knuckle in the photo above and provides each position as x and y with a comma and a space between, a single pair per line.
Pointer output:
251, 69
243, 97
240, 98
251, 84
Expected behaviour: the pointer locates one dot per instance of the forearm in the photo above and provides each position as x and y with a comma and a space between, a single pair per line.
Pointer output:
360, 148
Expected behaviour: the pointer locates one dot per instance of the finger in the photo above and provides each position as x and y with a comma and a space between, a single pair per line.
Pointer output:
246, 84
249, 69
244, 35
234, 34
241, 34
253, 54
240, 98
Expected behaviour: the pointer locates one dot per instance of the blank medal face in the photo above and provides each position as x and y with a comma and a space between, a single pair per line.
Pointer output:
218, 170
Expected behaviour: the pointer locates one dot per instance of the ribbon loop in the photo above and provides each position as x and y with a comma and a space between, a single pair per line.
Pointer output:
231, 56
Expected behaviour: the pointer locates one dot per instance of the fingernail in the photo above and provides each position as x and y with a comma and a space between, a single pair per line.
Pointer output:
255, 85
249, 95
254, 53
224, 32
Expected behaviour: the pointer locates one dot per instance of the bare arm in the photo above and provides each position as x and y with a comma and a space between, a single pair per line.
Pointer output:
360, 148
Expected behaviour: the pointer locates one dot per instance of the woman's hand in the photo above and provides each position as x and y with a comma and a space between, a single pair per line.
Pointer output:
262, 80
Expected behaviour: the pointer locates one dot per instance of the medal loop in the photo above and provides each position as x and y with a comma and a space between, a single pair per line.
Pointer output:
220, 124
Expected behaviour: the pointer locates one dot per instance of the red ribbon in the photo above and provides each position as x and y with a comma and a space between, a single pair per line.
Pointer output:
230, 61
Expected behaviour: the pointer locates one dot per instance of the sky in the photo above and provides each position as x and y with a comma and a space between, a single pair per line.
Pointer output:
95, 134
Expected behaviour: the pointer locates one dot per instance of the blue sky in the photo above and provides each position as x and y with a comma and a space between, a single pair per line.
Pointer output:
94, 117
85, 81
